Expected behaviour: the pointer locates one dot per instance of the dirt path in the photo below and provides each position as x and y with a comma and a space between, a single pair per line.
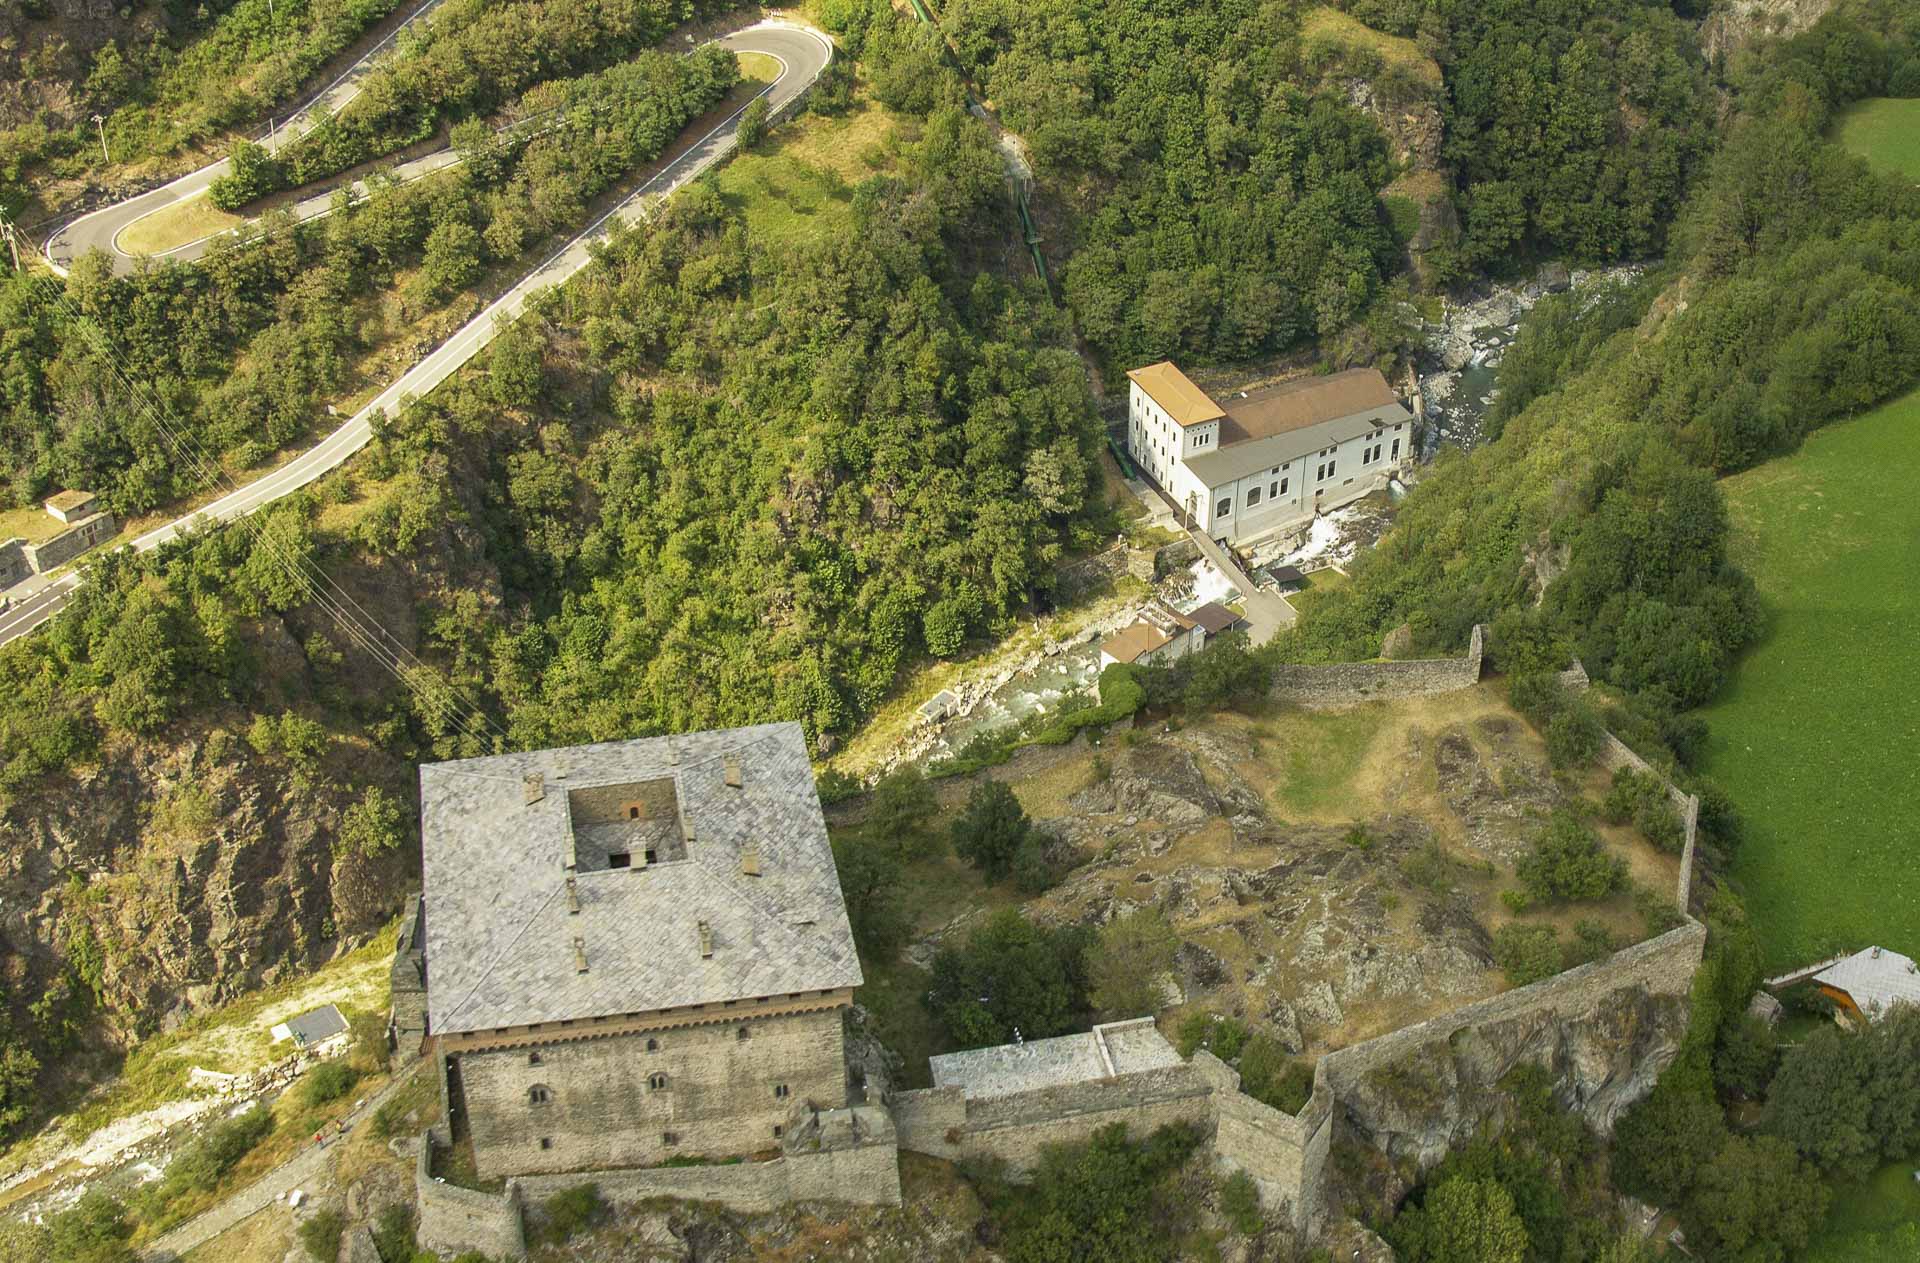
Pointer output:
306, 1168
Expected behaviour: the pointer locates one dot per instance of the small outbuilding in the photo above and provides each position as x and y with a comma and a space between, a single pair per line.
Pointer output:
1287, 578
1215, 618
318, 1030
1161, 635
1870, 982
68, 507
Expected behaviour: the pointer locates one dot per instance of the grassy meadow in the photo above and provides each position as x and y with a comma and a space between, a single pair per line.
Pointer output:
1816, 735
1886, 132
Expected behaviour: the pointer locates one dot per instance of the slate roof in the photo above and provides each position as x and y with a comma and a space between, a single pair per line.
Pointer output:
322, 1023
1236, 458
1305, 401
1876, 978
501, 935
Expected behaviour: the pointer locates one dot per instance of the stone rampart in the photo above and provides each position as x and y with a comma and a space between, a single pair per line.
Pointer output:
454, 1220
1345, 683
1016, 1128
750, 1187
1663, 965
1614, 755
13, 562
70, 543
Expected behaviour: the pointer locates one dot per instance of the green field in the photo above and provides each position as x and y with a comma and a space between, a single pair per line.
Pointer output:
1886, 132
1817, 734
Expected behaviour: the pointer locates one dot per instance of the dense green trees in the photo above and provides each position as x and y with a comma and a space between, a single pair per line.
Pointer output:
1568, 862
1011, 976
1110, 1199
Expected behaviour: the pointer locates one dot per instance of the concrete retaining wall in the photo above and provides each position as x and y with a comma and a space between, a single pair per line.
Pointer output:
13, 562
454, 1220
1345, 683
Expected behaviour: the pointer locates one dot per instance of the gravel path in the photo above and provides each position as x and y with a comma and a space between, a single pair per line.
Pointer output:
304, 1169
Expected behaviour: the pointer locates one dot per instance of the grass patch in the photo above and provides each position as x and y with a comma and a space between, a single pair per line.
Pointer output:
759, 67
177, 225
31, 523
1814, 736
891, 996
1329, 35
1875, 1221
1886, 132
800, 182
1322, 754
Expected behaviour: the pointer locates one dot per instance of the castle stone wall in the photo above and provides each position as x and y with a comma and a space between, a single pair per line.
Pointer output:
1616, 754
408, 984
13, 562
1664, 965
1346, 683
599, 1111
453, 1220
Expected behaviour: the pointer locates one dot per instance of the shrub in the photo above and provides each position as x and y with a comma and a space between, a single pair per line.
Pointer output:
1032, 874
1591, 941
1539, 696
1011, 975
1527, 953
1574, 736
1240, 1203
321, 1234
253, 174
1222, 1036
1567, 862
1642, 800
1270, 1076
328, 1081
1126, 965
753, 123
1516, 901
94, 1230
393, 1233
572, 1210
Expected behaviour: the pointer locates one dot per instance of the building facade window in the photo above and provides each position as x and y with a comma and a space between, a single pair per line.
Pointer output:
653, 1045
1396, 449
656, 1082
1283, 488
779, 1091
538, 1094
778, 1131
741, 1033
1224, 507
533, 1058
1253, 496
546, 1142
669, 1137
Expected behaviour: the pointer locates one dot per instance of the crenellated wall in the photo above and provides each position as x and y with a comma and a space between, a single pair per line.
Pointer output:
1345, 683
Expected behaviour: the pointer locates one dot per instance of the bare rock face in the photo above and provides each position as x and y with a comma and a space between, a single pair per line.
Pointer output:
1599, 1062
1735, 25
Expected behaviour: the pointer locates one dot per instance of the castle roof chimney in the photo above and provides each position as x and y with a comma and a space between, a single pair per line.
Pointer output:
579, 955
733, 771
573, 896
533, 787
706, 941
750, 861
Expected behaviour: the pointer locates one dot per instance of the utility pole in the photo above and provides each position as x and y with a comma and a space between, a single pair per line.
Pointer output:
100, 121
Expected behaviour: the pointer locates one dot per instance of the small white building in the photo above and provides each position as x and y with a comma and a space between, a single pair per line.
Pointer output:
1270, 457
1868, 983
1164, 634
320, 1032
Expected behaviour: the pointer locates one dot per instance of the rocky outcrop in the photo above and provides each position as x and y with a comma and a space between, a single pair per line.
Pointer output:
1599, 1062
1733, 26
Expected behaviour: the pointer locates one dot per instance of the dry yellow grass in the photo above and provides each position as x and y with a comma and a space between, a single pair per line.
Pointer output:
266, 1237
1329, 33
31, 523
176, 225
759, 68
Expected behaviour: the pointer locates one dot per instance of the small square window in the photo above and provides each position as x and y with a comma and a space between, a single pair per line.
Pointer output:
741, 1033
546, 1142
653, 1045
533, 1058
620, 859
778, 1131
669, 1137
780, 1091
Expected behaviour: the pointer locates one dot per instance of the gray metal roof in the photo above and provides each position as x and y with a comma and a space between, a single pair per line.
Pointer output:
501, 934
311, 1027
1876, 978
1237, 460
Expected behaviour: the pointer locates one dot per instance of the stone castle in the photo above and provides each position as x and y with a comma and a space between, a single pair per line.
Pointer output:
638, 951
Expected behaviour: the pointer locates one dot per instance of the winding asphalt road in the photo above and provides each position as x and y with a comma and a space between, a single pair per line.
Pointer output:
99, 229
802, 53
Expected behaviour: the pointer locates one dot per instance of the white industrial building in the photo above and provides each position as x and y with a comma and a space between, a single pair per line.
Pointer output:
1266, 458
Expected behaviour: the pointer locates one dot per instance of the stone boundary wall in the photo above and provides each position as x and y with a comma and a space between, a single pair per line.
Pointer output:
750, 1187
70, 543
1344, 683
1614, 754
13, 562
454, 1220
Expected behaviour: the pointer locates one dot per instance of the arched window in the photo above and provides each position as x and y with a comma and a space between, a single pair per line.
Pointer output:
657, 1082
538, 1094
533, 1058
741, 1033
653, 1045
